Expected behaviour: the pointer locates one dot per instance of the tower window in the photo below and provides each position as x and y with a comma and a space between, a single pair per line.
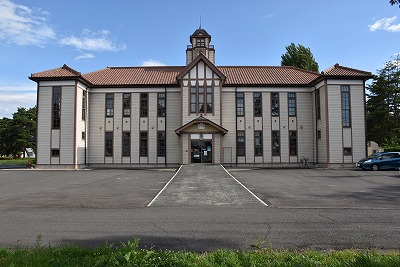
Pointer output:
127, 105
201, 42
56, 114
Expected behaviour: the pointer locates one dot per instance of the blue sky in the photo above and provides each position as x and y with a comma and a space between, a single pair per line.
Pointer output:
91, 35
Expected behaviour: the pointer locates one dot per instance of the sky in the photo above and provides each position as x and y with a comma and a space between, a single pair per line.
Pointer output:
92, 35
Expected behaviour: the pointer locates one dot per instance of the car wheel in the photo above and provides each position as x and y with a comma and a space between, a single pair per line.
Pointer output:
375, 167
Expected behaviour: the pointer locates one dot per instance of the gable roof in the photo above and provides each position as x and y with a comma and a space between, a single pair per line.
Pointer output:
337, 70
171, 75
198, 120
206, 61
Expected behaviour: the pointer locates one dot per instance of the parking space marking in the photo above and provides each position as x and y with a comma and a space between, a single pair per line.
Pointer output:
165, 186
254, 195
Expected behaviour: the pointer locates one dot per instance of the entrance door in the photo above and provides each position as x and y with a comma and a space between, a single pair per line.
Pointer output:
201, 151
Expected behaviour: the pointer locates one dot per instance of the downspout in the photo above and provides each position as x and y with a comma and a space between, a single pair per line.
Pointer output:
236, 156
165, 122
316, 126
86, 119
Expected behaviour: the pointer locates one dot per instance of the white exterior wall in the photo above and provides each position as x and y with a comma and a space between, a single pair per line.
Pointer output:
67, 137
152, 128
249, 126
135, 127
80, 126
322, 126
43, 144
229, 123
96, 128
284, 128
357, 97
305, 126
335, 124
173, 122
267, 127
117, 128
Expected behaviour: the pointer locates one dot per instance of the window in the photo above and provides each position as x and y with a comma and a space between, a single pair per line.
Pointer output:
161, 144
143, 144
257, 105
84, 105
126, 144
318, 104
319, 135
127, 105
276, 143
345, 105
240, 144
258, 145
201, 42
109, 105
240, 104
201, 99
161, 104
193, 100
83, 135
108, 149
55, 152
347, 151
209, 95
275, 104
293, 143
56, 114
292, 104
144, 104
200, 91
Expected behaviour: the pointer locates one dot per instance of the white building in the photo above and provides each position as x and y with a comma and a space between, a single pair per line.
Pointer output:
157, 116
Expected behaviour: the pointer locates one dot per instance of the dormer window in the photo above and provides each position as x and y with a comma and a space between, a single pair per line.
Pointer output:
200, 42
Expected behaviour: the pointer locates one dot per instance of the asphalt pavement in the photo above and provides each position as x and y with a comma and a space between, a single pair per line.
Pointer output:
307, 208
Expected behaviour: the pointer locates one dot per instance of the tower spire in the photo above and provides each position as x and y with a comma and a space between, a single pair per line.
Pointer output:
200, 22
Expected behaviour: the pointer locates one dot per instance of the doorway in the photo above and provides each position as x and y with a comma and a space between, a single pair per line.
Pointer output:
201, 151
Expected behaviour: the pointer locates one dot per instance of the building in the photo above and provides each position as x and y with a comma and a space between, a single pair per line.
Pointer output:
200, 113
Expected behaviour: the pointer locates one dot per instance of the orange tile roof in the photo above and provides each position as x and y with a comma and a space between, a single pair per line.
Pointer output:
235, 75
337, 70
64, 71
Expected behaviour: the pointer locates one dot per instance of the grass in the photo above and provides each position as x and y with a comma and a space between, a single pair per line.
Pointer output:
20, 161
129, 254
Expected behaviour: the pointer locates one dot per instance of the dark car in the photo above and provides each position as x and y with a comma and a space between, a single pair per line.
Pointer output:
386, 160
375, 155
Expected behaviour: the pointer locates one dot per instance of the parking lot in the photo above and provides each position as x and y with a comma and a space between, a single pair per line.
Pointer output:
307, 208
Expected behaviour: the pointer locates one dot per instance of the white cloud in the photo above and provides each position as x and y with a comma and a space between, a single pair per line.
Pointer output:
21, 25
152, 63
16, 95
386, 24
85, 56
93, 41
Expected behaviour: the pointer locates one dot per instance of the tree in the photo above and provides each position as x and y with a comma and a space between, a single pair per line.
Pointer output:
299, 56
16, 132
383, 105
394, 2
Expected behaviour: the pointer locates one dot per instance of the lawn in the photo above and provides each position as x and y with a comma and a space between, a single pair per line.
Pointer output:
129, 254
20, 161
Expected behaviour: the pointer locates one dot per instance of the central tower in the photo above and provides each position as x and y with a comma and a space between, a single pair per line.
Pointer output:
200, 43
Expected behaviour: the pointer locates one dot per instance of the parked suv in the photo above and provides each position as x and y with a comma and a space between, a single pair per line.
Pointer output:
385, 160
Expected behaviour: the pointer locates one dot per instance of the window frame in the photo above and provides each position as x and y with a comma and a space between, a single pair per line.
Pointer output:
109, 105
292, 104
126, 104
55, 152
144, 105
56, 107
108, 144
349, 153
346, 105
238, 108
258, 148
143, 144
276, 152
83, 105
275, 99
126, 144
318, 104
240, 146
161, 144
257, 104
293, 144
161, 104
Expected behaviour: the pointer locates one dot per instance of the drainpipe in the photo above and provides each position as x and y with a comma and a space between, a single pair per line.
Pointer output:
316, 126
86, 119
165, 122
236, 156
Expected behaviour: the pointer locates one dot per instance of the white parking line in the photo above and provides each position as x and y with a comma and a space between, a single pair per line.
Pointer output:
165, 186
254, 195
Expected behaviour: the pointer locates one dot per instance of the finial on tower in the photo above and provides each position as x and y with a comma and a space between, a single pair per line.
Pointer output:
200, 22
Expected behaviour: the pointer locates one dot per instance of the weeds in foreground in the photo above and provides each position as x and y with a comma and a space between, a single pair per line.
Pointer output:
129, 254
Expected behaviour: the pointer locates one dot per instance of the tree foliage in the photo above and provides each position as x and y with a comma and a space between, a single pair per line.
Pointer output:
383, 105
395, 2
16, 132
299, 56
